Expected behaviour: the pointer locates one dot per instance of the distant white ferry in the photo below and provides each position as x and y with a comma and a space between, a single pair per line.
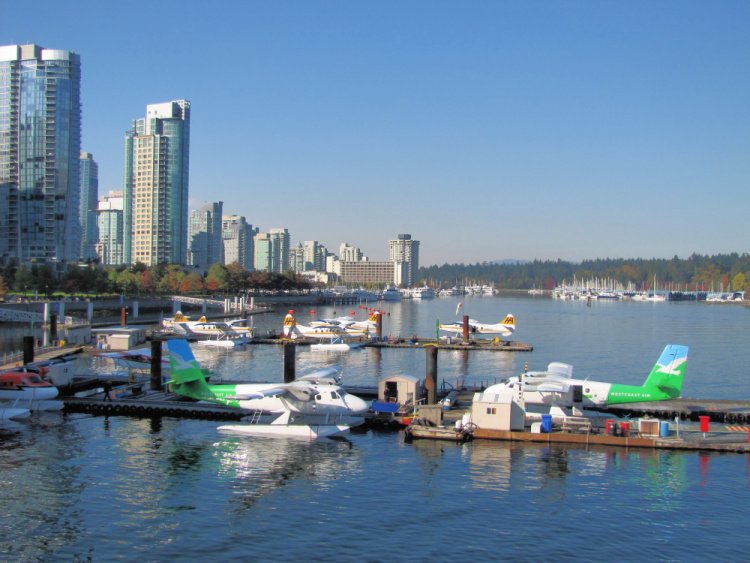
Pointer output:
424, 292
391, 294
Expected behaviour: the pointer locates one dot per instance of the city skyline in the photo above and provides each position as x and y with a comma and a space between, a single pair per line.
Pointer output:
489, 131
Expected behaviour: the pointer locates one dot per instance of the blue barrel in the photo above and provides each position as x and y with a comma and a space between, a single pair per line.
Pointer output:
547, 423
664, 429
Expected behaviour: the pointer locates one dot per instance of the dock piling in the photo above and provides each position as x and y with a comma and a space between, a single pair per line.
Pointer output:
156, 382
290, 349
28, 349
430, 382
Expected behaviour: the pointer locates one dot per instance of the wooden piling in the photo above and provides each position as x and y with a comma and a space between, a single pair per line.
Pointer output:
290, 349
379, 326
28, 349
466, 329
156, 383
430, 382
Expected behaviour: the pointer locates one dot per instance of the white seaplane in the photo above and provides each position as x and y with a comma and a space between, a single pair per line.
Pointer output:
506, 327
312, 406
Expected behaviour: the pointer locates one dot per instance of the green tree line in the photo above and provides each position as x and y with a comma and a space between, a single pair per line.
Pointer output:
163, 279
708, 273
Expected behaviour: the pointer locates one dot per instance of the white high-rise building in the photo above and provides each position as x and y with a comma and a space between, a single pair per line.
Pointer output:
404, 249
348, 253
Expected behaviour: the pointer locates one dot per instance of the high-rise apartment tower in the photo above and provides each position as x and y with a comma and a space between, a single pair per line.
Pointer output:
157, 158
404, 249
40, 142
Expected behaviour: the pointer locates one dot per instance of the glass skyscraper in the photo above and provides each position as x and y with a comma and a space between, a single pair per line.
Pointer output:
89, 200
205, 234
40, 143
157, 158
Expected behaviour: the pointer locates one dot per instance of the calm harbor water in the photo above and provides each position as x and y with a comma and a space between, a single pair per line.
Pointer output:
77, 487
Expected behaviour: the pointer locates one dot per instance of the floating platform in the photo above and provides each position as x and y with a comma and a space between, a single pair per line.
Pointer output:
131, 400
472, 345
688, 440
717, 410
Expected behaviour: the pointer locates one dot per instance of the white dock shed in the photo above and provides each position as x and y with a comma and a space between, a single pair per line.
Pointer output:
497, 411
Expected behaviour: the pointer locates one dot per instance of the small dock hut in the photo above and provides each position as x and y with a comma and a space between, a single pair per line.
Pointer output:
497, 411
400, 389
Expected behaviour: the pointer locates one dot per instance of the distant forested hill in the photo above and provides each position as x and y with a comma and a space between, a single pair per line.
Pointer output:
723, 271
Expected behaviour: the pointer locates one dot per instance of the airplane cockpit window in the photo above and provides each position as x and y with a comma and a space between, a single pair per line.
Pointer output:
334, 395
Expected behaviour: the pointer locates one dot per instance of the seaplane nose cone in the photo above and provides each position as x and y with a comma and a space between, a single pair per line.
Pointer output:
357, 405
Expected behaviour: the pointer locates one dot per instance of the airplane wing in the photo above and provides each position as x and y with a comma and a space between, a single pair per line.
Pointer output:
272, 392
301, 392
553, 387
327, 375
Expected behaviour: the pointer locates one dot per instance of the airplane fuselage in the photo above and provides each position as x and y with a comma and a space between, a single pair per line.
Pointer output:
326, 400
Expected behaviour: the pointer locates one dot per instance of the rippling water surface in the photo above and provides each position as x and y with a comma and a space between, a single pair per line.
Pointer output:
77, 487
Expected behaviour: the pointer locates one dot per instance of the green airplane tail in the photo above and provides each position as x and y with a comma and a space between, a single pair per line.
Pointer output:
668, 373
187, 377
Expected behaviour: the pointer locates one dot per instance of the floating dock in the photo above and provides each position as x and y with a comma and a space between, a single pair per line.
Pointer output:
132, 400
419, 343
717, 410
687, 440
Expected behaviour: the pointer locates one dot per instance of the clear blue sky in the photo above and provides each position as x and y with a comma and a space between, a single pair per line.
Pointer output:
486, 129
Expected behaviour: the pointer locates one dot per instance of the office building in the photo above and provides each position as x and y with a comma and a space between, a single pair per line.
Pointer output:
40, 143
89, 172
206, 236
404, 249
157, 159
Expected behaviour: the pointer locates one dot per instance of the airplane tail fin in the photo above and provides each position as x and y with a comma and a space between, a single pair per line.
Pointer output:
187, 377
289, 326
668, 373
509, 321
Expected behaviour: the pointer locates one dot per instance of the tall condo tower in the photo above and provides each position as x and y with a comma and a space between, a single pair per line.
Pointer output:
89, 199
404, 249
279, 240
237, 235
111, 229
157, 158
40, 142
206, 243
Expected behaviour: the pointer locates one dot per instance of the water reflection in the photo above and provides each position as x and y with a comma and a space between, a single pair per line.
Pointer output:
255, 467
490, 466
